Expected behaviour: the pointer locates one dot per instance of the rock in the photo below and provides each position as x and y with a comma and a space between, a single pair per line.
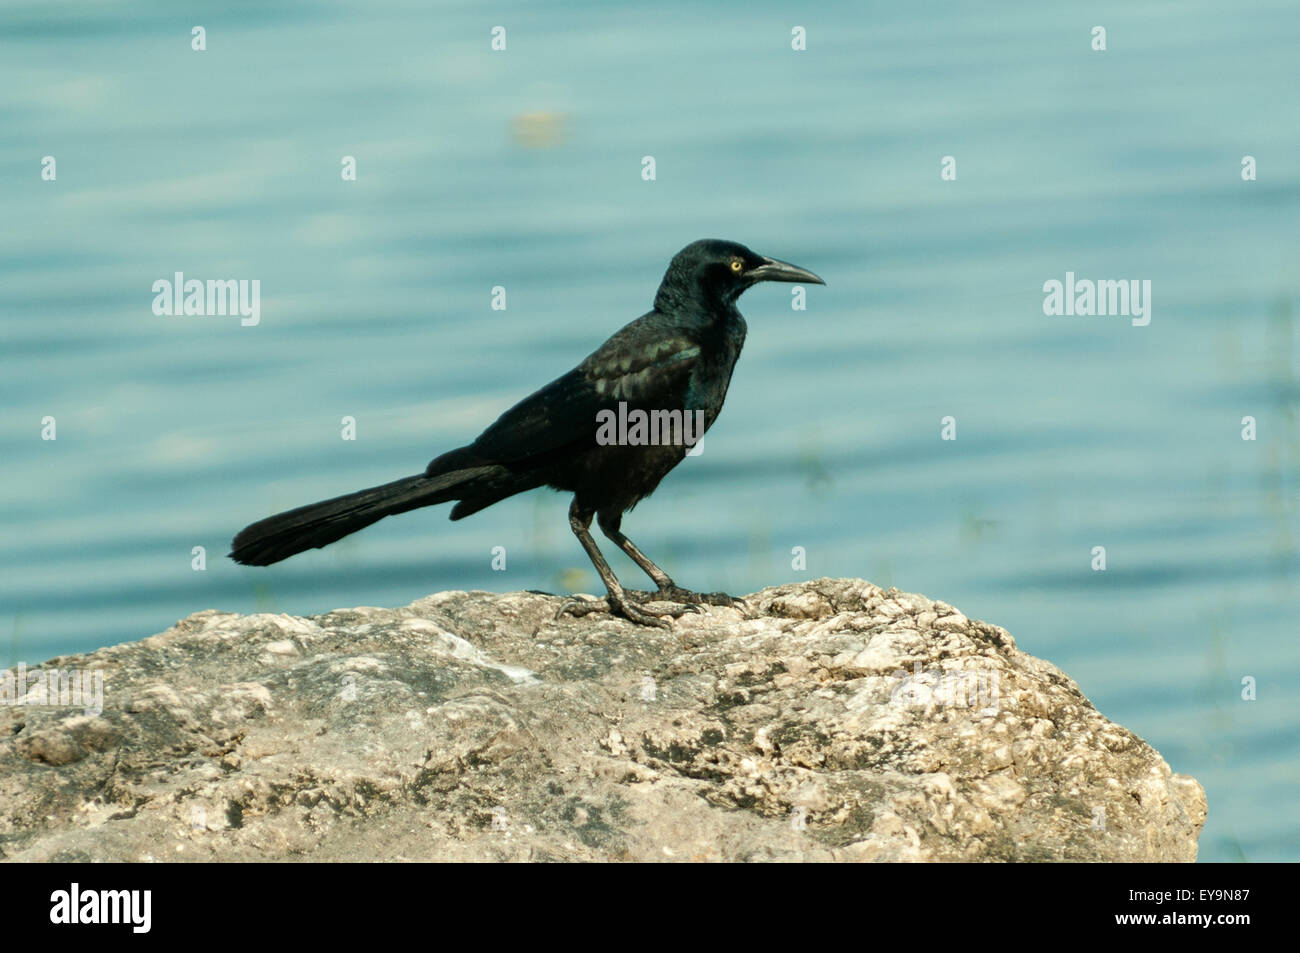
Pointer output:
839, 722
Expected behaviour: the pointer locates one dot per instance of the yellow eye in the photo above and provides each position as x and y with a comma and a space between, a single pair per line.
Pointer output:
737, 265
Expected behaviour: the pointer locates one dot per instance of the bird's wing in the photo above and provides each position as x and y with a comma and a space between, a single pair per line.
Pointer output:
647, 364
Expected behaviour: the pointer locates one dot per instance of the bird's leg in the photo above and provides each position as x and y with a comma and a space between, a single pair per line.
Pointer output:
611, 525
616, 599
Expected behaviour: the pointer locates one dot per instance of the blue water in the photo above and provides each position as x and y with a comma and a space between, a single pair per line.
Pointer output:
522, 169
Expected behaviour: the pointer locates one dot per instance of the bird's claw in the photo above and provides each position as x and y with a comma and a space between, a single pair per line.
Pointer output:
679, 606
653, 608
678, 594
657, 616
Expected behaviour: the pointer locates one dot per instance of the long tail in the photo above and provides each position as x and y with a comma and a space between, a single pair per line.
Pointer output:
319, 524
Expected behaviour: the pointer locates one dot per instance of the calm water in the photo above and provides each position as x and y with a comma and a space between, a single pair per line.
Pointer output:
1073, 432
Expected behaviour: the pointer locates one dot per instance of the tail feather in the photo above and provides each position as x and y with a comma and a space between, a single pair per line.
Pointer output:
319, 524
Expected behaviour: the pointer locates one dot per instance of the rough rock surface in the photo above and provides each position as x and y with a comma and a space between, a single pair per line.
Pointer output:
841, 722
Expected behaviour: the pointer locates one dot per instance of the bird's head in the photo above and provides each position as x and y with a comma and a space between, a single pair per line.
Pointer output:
715, 270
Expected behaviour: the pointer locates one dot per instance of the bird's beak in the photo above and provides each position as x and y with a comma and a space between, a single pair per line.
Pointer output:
773, 270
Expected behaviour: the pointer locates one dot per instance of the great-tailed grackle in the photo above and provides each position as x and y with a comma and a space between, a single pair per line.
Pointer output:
677, 358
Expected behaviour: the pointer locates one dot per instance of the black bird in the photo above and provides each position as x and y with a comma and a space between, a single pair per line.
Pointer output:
678, 357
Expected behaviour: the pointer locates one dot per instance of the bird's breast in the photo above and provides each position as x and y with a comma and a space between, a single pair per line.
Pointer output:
711, 375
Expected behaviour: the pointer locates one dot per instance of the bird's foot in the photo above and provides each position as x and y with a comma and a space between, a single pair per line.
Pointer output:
676, 593
675, 607
631, 606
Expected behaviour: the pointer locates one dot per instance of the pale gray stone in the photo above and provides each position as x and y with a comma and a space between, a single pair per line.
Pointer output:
838, 722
